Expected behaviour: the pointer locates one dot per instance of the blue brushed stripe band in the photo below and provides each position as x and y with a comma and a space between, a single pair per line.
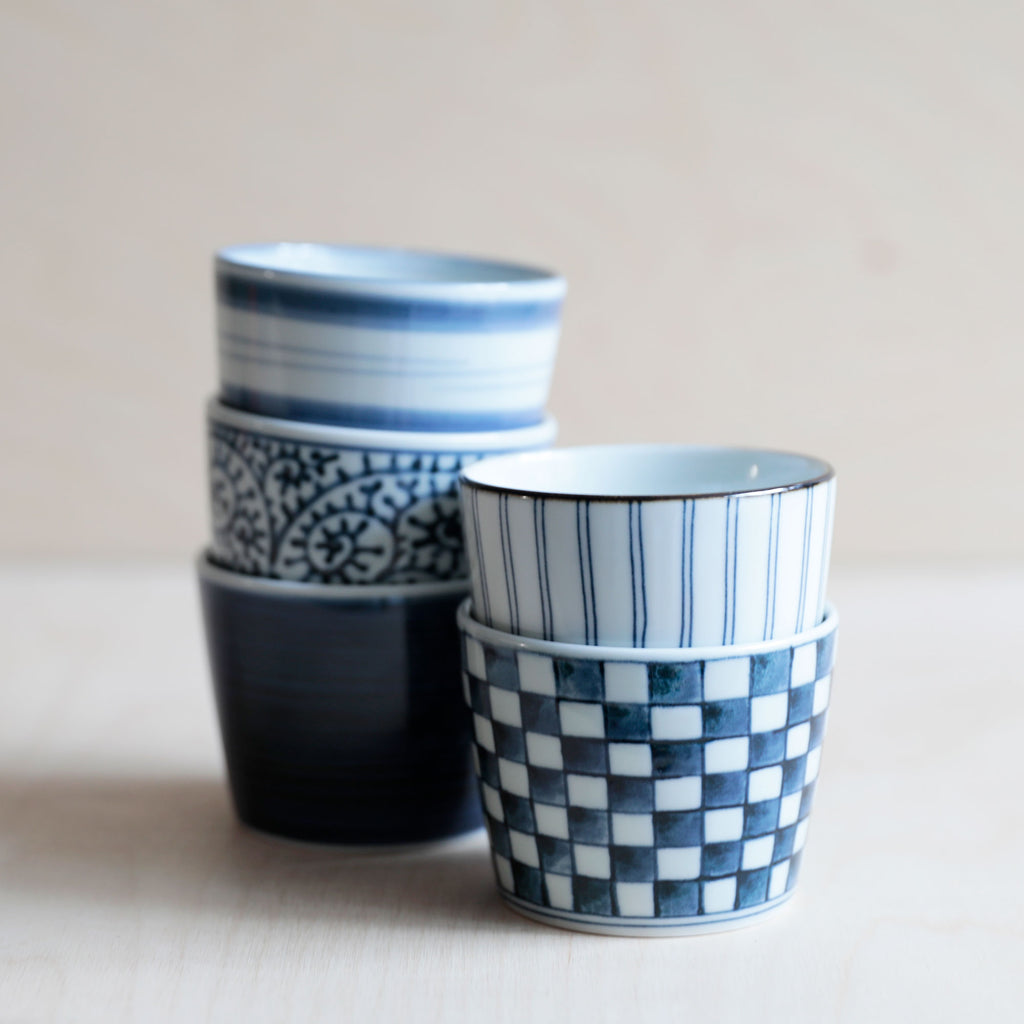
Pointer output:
298, 303
373, 416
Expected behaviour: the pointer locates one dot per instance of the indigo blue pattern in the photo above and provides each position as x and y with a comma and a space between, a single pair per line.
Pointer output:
385, 339
323, 513
375, 417
695, 572
658, 794
298, 302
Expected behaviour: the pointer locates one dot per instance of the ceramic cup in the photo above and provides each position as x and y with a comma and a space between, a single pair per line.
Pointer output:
385, 338
649, 545
340, 708
647, 792
342, 505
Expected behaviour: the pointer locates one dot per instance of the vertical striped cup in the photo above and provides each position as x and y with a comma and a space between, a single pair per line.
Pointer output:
649, 545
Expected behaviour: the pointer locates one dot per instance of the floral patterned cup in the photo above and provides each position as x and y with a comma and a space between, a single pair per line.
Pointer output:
342, 505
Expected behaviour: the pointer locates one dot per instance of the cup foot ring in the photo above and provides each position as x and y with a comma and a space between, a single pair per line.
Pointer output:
646, 927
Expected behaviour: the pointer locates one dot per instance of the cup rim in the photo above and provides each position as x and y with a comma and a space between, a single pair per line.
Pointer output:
230, 579
818, 471
443, 275
513, 439
594, 652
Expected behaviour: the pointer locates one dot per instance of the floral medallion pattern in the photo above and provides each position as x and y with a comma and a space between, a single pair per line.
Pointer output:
325, 514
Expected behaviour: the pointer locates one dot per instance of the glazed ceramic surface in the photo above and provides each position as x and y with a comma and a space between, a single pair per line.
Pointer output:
647, 792
342, 505
340, 712
385, 338
649, 545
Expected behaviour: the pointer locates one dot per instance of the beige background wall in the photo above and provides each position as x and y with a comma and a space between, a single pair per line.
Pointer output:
793, 224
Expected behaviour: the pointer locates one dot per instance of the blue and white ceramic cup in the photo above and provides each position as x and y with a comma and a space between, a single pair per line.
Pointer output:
385, 338
649, 545
647, 792
322, 504
340, 708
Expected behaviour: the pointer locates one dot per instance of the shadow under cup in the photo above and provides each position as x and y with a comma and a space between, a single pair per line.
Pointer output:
341, 714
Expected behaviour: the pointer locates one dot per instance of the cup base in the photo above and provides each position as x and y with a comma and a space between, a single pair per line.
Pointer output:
645, 927
398, 847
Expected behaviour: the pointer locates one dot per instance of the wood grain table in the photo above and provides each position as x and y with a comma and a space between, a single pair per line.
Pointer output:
129, 893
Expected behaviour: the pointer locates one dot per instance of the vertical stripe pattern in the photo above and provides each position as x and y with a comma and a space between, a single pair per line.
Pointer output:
478, 565
804, 557
773, 554
595, 572
538, 531
590, 567
586, 569
688, 507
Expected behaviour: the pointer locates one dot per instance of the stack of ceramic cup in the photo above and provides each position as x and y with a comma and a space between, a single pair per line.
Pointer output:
354, 386
647, 656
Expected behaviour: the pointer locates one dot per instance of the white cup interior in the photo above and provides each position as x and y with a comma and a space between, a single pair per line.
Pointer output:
356, 263
646, 471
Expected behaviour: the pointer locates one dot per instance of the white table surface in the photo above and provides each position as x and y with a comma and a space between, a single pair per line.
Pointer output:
129, 892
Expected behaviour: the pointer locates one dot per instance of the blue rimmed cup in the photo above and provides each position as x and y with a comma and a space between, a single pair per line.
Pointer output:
385, 338
340, 709
343, 505
647, 792
655, 545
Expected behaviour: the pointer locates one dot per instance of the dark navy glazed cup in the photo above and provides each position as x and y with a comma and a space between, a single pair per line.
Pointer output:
340, 708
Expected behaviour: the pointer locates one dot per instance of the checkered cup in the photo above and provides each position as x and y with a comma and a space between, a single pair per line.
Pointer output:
641, 791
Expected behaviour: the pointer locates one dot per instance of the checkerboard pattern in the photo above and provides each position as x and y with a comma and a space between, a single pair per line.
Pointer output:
648, 791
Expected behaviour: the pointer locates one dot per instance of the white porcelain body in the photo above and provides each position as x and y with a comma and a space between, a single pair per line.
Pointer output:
647, 792
341, 505
722, 564
385, 338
